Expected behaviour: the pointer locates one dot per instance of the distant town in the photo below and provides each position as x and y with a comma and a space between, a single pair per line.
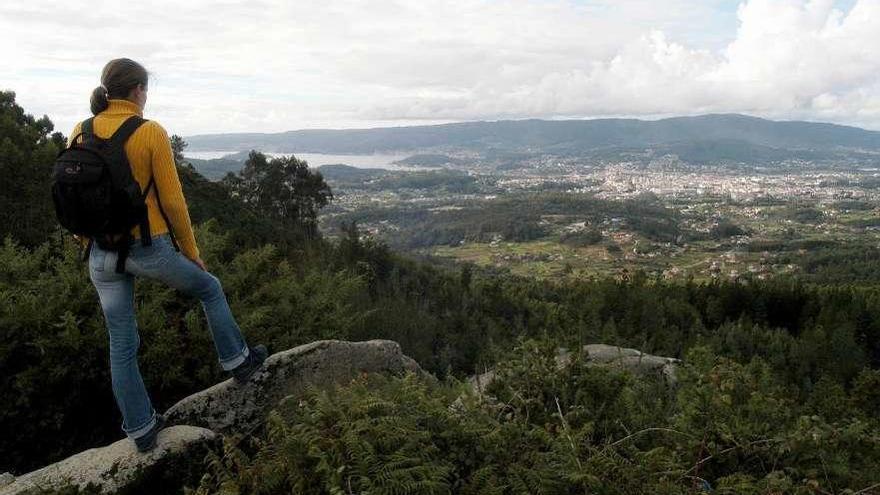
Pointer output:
732, 220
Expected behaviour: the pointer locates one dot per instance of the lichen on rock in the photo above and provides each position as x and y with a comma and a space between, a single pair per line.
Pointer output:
119, 465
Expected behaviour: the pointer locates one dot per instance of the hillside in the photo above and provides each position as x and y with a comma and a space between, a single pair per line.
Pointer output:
760, 136
775, 384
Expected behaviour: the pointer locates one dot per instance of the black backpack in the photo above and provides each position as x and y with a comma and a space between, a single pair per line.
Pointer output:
95, 193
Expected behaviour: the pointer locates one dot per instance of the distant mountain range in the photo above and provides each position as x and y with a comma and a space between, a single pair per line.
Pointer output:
716, 136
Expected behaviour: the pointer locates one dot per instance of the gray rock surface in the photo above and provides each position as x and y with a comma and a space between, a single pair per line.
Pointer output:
633, 360
599, 355
118, 465
201, 418
231, 408
480, 381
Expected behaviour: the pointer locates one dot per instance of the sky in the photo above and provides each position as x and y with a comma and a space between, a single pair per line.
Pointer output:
277, 65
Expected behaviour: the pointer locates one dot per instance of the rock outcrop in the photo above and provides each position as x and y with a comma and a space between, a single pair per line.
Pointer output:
630, 359
119, 465
202, 418
600, 355
229, 408
198, 421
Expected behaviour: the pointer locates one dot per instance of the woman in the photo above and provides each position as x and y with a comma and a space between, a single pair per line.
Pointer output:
123, 93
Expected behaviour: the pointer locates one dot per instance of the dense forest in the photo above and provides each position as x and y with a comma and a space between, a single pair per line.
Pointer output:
515, 217
779, 391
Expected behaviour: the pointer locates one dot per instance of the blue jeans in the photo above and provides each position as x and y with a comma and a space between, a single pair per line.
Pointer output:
162, 262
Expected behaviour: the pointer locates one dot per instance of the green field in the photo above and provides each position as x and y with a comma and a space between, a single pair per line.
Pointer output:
773, 246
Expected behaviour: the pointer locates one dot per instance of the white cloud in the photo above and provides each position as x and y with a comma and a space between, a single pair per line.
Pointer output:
276, 65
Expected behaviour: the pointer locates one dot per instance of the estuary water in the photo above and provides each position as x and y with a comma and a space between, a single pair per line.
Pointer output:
318, 159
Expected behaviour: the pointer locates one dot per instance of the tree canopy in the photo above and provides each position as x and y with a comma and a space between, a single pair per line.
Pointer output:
27, 148
283, 188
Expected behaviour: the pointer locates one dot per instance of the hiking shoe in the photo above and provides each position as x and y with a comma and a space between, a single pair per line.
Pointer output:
146, 442
251, 364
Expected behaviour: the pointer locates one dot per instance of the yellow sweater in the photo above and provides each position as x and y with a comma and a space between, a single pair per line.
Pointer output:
149, 153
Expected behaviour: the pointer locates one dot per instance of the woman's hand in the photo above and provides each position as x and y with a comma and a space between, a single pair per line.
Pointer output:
200, 263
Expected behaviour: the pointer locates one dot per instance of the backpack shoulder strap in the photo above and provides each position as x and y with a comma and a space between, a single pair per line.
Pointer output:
152, 185
125, 131
86, 129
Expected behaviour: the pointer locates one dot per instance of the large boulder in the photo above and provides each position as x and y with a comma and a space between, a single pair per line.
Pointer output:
231, 408
197, 422
632, 360
119, 467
